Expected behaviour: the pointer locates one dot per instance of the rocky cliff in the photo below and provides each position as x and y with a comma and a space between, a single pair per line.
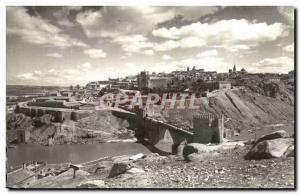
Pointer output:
98, 127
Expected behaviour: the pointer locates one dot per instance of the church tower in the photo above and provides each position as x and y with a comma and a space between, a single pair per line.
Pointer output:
234, 69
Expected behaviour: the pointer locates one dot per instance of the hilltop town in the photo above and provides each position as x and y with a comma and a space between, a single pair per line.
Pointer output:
191, 80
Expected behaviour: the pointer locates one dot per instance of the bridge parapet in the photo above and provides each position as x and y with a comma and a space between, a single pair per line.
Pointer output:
208, 128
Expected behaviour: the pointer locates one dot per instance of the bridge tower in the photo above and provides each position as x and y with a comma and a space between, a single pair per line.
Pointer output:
208, 128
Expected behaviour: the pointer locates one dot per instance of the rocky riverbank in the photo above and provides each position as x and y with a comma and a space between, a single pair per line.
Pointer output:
203, 166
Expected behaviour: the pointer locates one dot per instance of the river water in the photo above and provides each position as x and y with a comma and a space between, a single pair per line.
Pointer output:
75, 153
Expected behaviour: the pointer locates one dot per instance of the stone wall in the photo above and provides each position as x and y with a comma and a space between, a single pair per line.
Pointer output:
59, 114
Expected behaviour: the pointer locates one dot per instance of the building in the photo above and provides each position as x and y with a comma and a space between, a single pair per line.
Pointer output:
55, 102
121, 85
243, 71
153, 81
66, 93
234, 69
92, 86
211, 85
158, 82
143, 79
53, 93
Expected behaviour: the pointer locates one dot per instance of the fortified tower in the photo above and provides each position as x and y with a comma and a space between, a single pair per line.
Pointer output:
208, 128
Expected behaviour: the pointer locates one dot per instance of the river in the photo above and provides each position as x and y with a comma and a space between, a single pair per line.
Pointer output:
75, 153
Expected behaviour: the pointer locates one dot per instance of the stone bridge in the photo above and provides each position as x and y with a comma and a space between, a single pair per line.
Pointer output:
207, 128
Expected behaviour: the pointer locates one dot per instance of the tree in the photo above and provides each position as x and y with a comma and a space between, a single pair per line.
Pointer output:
71, 87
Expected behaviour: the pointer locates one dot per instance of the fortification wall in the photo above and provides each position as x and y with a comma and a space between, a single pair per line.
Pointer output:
59, 114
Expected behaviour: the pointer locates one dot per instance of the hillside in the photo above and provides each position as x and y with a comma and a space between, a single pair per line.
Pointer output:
243, 109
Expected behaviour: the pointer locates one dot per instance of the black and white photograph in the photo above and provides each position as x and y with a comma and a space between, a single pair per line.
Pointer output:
150, 97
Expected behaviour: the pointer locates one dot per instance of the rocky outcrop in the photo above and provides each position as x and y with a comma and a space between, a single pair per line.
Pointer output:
15, 121
290, 152
43, 120
197, 148
120, 166
272, 148
274, 90
126, 164
93, 184
100, 126
196, 151
274, 135
135, 171
137, 156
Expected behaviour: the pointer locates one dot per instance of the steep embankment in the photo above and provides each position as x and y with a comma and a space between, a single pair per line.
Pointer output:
250, 108
243, 109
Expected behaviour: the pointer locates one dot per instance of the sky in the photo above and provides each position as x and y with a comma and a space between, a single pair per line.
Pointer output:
65, 46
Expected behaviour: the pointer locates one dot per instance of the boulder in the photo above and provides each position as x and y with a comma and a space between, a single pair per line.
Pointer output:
198, 149
274, 135
266, 149
135, 171
137, 156
120, 166
102, 169
290, 152
92, 184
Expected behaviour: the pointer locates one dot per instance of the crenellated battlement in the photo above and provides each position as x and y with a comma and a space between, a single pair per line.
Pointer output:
207, 115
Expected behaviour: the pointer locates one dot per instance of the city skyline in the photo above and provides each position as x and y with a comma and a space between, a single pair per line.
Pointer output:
68, 45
